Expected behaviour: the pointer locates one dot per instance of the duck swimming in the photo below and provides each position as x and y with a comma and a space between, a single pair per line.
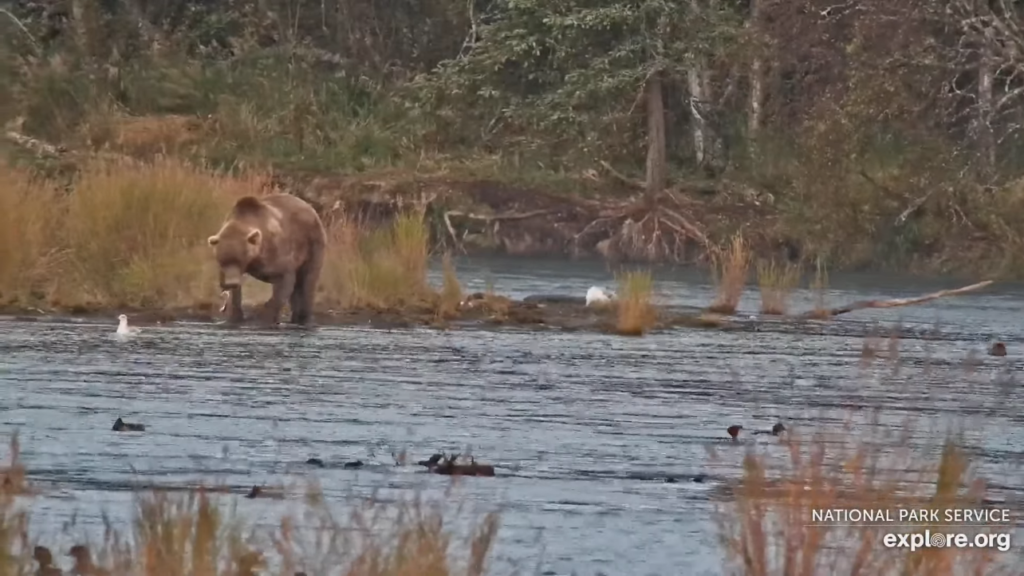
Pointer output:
997, 349
734, 431
122, 426
44, 557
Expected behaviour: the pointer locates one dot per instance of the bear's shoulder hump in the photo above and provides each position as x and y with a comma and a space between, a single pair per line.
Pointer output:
248, 205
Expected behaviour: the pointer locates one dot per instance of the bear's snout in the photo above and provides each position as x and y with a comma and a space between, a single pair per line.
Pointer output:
230, 278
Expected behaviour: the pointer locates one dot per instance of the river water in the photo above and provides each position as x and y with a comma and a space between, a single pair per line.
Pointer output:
583, 428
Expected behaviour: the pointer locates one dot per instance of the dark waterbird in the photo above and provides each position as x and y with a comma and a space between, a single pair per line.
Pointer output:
997, 349
449, 467
698, 478
83, 562
44, 557
261, 492
432, 461
353, 464
122, 426
315, 462
734, 431
776, 430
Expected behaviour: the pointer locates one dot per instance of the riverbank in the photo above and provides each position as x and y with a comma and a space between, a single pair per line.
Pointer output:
479, 208
480, 311
128, 236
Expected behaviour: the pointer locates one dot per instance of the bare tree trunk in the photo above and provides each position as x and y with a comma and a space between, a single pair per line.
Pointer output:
986, 139
697, 122
756, 76
657, 164
78, 23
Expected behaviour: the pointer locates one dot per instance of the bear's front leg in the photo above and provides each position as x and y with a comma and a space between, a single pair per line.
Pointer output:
283, 287
235, 315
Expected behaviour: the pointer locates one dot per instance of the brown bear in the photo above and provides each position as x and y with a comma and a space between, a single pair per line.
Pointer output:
278, 239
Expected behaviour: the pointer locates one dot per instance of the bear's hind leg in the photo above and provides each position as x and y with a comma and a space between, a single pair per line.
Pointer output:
297, 304
310, 273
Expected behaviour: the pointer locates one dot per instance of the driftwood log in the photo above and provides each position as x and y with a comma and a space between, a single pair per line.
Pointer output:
892, 303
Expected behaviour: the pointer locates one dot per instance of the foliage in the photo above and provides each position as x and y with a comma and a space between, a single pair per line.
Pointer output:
886, 134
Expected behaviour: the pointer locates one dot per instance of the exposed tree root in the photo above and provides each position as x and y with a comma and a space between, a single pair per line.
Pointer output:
645, 230
893, 303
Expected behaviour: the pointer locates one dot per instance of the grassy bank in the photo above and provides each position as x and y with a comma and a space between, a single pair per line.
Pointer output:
130, 236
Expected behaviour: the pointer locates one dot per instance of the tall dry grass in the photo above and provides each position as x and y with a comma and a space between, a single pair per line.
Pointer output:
380, 268
30, 216
189, 534
450, 295
133, 234
635, 311
776, 282
731, 268
819, 285
129, 234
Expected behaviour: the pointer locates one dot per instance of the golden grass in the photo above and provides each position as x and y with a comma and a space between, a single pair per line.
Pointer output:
451, 289
379, 268
731, 267
129, 234
148, 136
29, 218
188, 534
819, 285
776, 282
635, 313
133, 234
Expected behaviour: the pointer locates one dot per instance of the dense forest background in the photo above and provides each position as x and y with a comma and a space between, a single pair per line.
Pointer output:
878, 131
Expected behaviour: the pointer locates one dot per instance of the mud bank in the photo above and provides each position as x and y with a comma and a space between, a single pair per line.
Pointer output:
617, 223
482, 312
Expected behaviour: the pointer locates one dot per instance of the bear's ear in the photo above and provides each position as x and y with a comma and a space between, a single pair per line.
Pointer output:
212, 240
254, 237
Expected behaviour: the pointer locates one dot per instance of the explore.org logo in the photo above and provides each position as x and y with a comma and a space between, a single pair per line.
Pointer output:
928, 539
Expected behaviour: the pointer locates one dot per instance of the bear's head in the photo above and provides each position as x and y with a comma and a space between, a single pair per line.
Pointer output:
235, 246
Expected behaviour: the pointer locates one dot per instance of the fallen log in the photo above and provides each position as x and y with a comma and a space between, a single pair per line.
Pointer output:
892, 303
37, 146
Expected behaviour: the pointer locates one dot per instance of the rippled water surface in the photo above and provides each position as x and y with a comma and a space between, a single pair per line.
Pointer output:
582, 428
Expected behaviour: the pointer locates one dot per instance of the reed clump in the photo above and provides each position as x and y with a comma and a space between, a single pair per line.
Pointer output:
731, 267
635, 311
819, 286
191, 533
128, 233
776, 282
450, 296
30, 216
382, 268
